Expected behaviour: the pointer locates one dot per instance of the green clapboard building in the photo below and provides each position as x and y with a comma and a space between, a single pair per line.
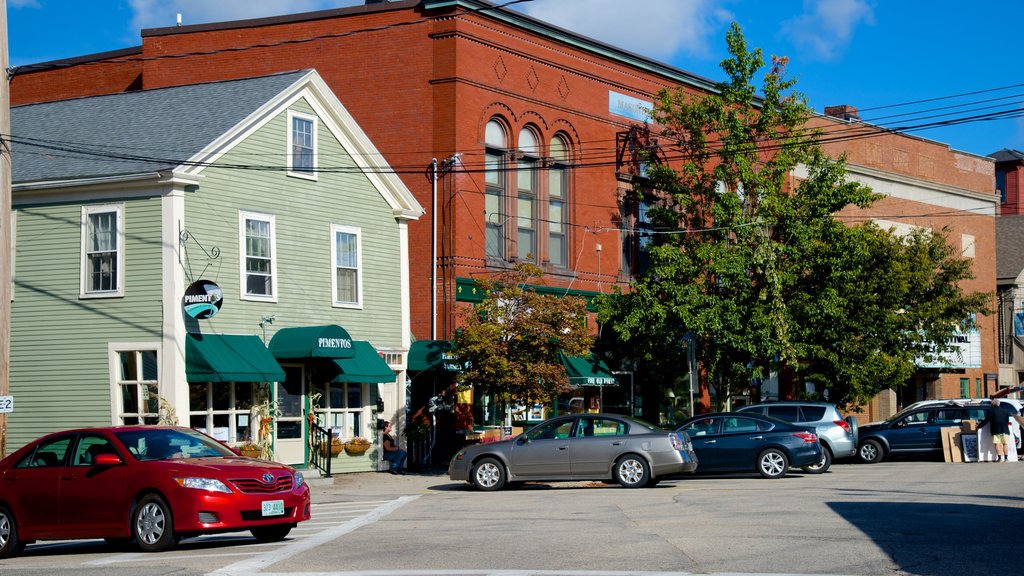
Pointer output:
230, 256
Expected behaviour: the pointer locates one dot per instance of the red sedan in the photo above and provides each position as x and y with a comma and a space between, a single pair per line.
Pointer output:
149, 484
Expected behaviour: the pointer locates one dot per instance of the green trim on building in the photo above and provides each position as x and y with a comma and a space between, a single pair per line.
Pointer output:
467, 290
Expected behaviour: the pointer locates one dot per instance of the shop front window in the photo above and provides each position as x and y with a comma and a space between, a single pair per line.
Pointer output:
340, 407
222, 410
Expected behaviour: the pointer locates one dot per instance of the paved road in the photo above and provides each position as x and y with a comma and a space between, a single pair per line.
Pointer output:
923, 518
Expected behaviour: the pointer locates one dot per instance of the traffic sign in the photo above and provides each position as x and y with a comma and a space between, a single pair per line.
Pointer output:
6, 404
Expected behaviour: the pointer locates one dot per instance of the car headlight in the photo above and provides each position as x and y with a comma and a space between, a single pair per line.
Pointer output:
208, 484
299, 480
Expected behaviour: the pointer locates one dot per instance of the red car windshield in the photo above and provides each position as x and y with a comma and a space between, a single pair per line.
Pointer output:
168, 444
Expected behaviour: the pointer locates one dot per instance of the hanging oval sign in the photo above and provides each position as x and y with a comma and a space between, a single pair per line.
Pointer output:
203, 299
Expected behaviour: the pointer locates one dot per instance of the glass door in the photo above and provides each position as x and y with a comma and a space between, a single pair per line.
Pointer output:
290, 433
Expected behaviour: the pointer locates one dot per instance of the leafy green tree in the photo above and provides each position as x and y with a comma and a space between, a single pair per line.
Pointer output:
757, 267
513, 339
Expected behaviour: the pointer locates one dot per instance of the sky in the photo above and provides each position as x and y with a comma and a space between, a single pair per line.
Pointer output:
905, 64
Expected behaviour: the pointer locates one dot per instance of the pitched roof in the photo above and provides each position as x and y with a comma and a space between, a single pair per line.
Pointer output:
1007, 155
133, 132
1009, 248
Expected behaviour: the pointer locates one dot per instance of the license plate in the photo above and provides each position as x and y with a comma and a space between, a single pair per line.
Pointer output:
273, 508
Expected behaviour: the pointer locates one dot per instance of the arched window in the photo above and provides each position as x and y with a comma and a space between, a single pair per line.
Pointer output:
496, 142
526, 194
558, 201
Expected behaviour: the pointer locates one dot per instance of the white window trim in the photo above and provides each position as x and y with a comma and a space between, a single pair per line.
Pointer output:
360, 271
114, 349
288, 146
242, 217
83, 275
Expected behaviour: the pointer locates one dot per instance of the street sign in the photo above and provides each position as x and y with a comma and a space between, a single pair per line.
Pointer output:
6, 404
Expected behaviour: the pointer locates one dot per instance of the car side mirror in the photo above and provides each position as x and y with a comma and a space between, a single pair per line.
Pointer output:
107, 460
523, 439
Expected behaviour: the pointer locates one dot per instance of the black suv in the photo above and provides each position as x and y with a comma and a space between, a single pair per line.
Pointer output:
915, 430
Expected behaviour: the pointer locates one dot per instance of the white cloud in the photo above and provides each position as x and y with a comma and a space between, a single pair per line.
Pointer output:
827, 26
161, 13
658, 29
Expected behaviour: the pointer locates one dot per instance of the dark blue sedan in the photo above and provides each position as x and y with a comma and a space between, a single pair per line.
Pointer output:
741, 442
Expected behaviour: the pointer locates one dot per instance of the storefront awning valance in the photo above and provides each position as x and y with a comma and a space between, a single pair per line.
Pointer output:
365, 366
229, 358
433, 355
588, 371
312, 342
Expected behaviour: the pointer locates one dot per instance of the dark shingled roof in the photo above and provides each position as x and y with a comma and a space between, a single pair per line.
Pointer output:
132, 132
1009, 248
1007, 155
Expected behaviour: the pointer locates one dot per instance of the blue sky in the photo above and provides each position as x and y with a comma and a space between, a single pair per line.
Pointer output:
883, 56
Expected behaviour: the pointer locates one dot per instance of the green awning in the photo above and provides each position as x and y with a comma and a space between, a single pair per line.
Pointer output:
365, 366
433, 355
588, 371
312, 342
229, 358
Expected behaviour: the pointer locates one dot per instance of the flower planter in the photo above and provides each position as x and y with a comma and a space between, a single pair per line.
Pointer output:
356, 449
332, 449
251, 452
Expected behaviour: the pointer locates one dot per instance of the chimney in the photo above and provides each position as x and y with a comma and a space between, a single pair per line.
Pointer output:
842, 112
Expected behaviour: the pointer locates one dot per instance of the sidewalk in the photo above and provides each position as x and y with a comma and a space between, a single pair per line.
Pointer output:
371, 485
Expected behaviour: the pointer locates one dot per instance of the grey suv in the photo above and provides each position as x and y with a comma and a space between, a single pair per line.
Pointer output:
838, 435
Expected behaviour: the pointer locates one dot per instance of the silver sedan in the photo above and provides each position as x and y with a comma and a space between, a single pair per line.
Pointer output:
578, 447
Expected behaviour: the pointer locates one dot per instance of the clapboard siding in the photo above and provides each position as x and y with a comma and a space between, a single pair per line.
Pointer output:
304, 211
59, 360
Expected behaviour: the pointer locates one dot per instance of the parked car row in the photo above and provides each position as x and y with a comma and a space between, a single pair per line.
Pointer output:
769, 438
611, 447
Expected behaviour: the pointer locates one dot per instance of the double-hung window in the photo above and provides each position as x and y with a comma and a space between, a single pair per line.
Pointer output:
347, 262
257, 246
302, 159
494, 176
102, 251
558, 196
526, 199
137, 385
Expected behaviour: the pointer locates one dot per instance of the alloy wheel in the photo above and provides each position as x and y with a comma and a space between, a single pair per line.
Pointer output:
487, 475
5, 529
151, 523
631, 471
773, 463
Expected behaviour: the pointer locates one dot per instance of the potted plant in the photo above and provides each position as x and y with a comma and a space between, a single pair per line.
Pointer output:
250, 449
357, 446
333, 449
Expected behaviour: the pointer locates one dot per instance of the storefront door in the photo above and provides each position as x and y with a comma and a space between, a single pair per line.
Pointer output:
290, 433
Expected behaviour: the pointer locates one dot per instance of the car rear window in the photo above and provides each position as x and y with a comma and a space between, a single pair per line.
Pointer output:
787, 413
812, 413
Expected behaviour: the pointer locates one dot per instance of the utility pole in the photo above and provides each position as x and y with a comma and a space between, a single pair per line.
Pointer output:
5, 225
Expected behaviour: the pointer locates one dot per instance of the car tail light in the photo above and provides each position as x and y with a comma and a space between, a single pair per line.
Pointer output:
808, 437
842, 424
678, 442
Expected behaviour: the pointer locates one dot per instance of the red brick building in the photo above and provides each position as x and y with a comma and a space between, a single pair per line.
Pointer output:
475, 86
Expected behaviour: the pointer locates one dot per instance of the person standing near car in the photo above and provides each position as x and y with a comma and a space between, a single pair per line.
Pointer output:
999, 420
392, 453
